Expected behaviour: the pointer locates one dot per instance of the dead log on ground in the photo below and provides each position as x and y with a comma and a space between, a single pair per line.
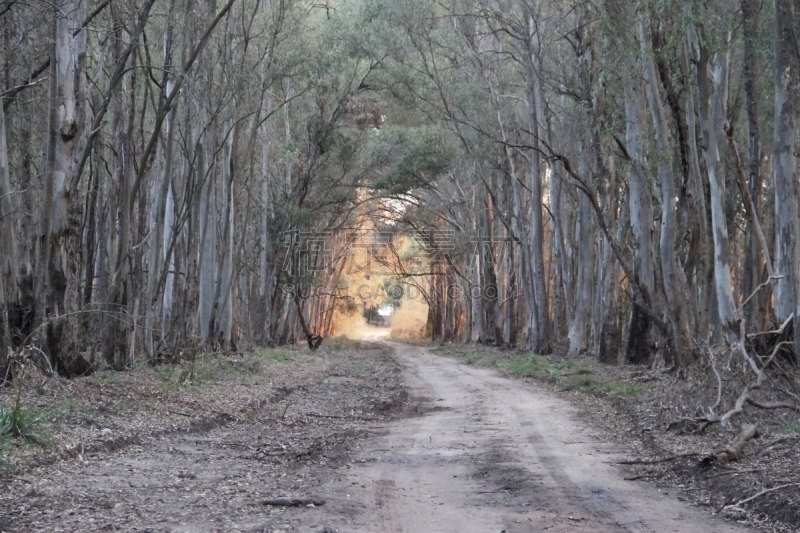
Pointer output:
734, 452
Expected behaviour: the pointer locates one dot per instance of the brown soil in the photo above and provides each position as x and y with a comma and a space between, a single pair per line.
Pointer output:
202, 456
495, 454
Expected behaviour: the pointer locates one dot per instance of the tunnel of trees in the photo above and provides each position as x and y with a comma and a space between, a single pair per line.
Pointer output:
609, 177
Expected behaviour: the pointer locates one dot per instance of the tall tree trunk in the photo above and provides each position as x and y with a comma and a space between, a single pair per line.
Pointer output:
579, 327
8, 247
208, 248
672, 274
61, 232
609, 342
225, 282
264, 279
701, 282
541, 344
712, 81
639, 347
784, 165
752, 258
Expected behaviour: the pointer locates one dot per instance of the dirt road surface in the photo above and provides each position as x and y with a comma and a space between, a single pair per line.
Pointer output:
497, 455
478, 453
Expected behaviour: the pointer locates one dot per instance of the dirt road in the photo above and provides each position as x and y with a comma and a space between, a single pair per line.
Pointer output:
498, 455
479, 453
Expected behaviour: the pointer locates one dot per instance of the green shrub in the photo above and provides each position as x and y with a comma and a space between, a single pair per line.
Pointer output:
579, 381
616, 389
792, 428
24, 422
531, 366
278, 355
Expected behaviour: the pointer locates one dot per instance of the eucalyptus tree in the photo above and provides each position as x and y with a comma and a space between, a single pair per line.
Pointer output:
784, 167
162, 176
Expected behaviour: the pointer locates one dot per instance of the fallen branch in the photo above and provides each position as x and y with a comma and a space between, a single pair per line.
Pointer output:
734, 452
745, 396
759, 494
778, 331
771, 445
313, 340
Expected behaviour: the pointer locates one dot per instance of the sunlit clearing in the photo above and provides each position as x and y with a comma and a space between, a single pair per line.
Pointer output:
409, 320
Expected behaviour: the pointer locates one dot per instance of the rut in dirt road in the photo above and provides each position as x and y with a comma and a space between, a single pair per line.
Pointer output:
499, 455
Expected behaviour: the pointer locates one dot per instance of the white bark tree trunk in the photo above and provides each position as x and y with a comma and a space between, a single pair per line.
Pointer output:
712, 81
160, 233
208, 250
784, 164
784, 169
641, 212
672, 273
225, 302
579, 326
541, 338
8, 245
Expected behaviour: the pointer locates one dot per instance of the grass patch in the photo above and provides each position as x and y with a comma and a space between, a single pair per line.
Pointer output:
277, 355
64, 407
164, 373
580, 381
342, 342
572, 374
109, 378
792, 428
21, 421
532, 366
6, 451
211, 368
522, 365
617, 389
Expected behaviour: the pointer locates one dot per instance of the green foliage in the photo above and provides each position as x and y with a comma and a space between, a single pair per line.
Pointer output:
109, 378
532, 366
23, 422
425, 152
792, 428
278, 355
579, 381
566, 372
212, 368
65, 407
620, 389
344, 343
165, 373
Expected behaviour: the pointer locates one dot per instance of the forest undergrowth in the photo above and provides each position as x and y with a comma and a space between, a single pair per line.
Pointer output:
304, 400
